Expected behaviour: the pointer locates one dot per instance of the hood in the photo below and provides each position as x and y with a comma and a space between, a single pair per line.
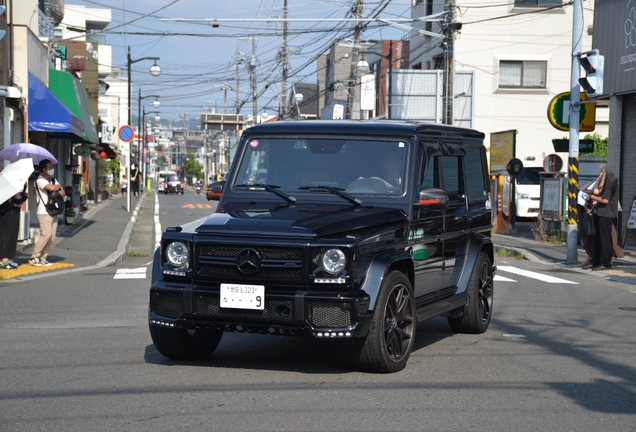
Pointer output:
307, 221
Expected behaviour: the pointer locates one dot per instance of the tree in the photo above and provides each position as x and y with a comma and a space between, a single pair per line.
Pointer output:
600, 145
192, 168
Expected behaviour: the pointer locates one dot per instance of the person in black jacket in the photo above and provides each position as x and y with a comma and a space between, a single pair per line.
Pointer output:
9, 226
605, 211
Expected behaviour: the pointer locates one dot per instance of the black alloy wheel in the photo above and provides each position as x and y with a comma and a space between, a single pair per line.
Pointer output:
478, 311
389, 343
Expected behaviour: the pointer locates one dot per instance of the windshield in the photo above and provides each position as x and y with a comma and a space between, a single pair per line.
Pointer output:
357, 167
530, 176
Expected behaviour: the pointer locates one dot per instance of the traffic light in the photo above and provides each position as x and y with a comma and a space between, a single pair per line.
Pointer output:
2, 32
592, 62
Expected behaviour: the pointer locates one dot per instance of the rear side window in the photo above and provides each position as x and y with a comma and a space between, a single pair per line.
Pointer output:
475, 186
451, 176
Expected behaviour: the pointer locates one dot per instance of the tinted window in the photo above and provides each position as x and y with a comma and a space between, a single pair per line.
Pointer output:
451, 176
358, 166
475, 187
530, 176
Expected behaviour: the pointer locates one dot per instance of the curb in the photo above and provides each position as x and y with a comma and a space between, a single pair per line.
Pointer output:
114, 258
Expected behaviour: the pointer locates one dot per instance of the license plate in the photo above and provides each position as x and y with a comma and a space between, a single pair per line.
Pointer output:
242, 296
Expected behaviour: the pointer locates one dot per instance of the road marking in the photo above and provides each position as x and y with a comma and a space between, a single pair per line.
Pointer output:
197, 206
499, 278
534, 275
133, 273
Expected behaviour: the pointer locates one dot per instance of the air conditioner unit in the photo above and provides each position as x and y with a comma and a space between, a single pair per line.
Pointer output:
24, 231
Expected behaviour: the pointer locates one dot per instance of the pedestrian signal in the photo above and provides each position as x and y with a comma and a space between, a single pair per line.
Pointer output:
592, 62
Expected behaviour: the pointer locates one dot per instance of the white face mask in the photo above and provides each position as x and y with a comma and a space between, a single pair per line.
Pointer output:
51, 171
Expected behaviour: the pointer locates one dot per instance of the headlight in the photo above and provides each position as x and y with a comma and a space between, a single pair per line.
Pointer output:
523, 196
333, 261
177, 254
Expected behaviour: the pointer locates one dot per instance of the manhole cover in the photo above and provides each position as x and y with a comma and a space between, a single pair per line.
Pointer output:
627, 308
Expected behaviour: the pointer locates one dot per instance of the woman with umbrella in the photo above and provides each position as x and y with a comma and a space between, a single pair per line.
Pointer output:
13, 180
9, 226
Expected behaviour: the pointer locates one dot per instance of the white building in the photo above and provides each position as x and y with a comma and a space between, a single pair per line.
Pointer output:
521, 52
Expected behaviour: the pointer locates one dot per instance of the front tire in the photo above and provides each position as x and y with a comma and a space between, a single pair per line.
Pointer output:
389, 343
183, 344
478, 311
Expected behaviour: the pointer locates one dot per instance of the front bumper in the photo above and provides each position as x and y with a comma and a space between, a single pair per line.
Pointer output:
297, 313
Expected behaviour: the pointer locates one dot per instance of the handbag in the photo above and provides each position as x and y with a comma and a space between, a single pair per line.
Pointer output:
588, 227
55, 202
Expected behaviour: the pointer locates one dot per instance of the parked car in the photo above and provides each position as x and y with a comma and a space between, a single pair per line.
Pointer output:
333, 230
173, 184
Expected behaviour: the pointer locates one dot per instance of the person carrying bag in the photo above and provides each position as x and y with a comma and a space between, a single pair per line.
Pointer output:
47, 212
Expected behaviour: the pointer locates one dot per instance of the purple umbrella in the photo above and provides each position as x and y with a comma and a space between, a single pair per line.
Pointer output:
26, 150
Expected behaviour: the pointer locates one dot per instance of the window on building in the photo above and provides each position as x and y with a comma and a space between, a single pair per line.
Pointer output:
527, 74
537, 3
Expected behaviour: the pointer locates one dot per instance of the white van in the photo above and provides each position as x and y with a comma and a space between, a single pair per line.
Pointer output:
161, 180
527, 192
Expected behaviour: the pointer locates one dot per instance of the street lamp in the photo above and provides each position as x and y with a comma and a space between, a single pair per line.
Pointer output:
155, 71
144, 163
363, 67
155, 104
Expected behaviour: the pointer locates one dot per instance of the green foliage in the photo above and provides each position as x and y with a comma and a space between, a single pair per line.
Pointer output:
600, 145
191, 167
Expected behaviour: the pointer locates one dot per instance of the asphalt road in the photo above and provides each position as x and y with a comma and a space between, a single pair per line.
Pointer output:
77, 355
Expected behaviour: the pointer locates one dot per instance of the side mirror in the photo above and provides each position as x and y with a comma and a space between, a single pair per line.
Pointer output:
215, 190
432, 197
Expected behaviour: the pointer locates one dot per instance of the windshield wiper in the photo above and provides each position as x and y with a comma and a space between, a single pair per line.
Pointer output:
269, 188
334, 190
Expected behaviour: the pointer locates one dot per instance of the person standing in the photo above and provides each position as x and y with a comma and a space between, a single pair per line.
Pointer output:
605, 211
124, 185
134, 179
45, 184
9, 227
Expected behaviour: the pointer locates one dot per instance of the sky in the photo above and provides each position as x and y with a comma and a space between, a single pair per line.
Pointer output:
198, 61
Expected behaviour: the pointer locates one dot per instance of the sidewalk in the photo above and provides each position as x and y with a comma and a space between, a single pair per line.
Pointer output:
623, 269
99, 238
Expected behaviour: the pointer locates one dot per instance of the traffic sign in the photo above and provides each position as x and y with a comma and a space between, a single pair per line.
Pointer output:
514, 167
126, 133
559, 113
552, 163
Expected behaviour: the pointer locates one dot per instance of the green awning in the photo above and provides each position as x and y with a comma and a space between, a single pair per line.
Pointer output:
73, 94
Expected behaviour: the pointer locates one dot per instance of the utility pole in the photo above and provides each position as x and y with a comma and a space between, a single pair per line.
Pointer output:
575, 108
357, 10
239, 58
252, 68
450, 26
284, 61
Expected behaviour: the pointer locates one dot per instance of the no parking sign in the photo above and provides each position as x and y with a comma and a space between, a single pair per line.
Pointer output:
126, 133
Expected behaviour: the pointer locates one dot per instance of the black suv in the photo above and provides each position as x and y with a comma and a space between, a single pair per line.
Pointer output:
338, 230
173, 184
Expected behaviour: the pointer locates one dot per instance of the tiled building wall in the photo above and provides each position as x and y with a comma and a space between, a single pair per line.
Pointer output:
622, 155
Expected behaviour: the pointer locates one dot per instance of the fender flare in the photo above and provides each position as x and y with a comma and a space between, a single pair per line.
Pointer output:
379, 268
466, 262
156, 274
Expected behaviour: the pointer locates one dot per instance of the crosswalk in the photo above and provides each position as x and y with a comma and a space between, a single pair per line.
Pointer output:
530, 274
131, 273
140, 273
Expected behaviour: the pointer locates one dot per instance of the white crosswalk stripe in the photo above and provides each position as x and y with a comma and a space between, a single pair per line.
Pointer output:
133, 273
530, 274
